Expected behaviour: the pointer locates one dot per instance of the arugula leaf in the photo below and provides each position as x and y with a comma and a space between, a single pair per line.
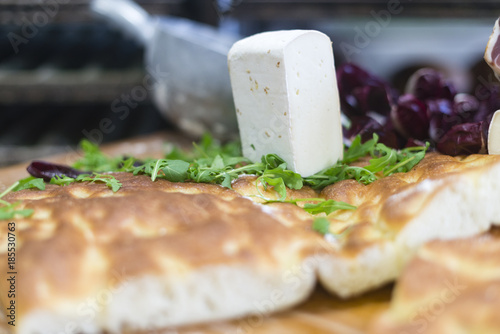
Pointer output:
94, 160
176, 170
126, 164
62, 180
337, 173
385, 157
358, 149
9, 211
291, 179
217, 162
323, 206
407, 160
209, 147
109, 180
272, 161
172, 170
176, 153
277, 183
384, 162
321, 225
327, 207
226, 181
30, 182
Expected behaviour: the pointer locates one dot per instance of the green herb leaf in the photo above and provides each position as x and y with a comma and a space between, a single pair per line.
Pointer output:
226, 181
384, 162
272, 161
358, 150
62, 180
176, 170
109, 180
209, 147
327, 207
277, 183
386, 157
218, 163
29, 183
291, 179
321, 225
9, 211
94, 160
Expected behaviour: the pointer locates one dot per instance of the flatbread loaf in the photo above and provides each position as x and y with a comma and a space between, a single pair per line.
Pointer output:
152, 255
159, 254
443, 197
449, 287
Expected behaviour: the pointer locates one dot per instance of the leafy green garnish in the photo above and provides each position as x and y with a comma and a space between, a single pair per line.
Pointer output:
327, 207
62, 180
173, 170
358, 150
212, 162
321, 225
109, 180
95, 160
29, 182
384, 162
8, 210
322, 205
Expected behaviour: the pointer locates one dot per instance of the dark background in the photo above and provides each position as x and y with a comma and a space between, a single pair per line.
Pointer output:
62, 80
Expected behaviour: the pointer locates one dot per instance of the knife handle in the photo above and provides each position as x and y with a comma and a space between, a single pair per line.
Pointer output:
129, 17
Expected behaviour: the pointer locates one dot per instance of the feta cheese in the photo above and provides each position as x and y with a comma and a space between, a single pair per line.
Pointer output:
286, 98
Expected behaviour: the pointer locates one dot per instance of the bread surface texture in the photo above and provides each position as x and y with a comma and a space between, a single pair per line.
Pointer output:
160, 254
443, 197
451, 286
152, 255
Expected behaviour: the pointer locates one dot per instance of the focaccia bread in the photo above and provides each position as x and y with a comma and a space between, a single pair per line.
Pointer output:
443, 197
449, 287
158, 254
153, 254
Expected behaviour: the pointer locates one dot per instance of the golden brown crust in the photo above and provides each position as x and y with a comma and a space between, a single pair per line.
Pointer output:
449, 287
81, 233
386, 206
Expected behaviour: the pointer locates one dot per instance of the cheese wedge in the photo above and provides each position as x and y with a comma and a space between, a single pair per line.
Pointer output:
286, 98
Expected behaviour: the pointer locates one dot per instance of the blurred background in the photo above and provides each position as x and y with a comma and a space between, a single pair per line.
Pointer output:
67, 73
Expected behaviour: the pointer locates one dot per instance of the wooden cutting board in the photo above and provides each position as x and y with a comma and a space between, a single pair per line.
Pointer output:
321, 313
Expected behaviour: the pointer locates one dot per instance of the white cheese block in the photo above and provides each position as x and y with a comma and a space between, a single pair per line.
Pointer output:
286, 98
494, 134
